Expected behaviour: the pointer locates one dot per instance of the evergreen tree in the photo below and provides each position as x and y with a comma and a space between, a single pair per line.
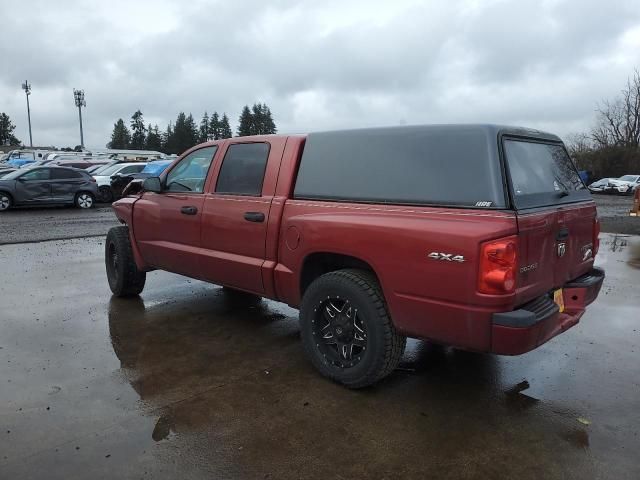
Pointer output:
6, 131
268, 125
225, 128
245, 122
192, 132
138, 130
205, 131
256, 119
168, 140
214, 127
263, 123
185, 133
154, 139
120, 137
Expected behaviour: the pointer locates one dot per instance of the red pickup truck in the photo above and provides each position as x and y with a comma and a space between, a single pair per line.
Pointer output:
478, 236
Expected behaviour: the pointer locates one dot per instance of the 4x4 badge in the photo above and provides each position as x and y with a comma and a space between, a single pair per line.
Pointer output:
562, 249
447, 257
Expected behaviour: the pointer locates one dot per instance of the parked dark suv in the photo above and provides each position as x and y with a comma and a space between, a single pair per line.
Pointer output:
48, 185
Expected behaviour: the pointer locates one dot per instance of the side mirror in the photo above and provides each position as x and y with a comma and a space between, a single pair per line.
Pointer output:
152, 184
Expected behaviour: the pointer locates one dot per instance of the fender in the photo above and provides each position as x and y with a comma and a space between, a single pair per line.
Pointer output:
123, 209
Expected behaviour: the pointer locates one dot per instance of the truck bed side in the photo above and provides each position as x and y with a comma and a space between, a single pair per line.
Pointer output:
395, 242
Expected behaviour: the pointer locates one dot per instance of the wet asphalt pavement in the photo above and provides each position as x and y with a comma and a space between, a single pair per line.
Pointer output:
191, 382
613, 211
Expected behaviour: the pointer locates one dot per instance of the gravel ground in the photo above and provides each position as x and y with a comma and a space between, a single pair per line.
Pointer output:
23, 225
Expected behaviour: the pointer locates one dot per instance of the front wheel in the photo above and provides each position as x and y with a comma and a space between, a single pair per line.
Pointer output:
84, 200
124, 278
346, 329
5, 201
106, 194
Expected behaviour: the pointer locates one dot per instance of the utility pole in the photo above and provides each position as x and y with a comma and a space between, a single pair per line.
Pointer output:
27, 91
78, 95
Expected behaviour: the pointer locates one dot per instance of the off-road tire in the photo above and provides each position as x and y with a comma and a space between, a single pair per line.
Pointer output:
125, 280
384, 344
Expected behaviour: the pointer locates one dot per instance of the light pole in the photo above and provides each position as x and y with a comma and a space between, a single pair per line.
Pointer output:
27, 91
78, 95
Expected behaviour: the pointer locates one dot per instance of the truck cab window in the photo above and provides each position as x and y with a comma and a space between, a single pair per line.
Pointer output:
243, 168
190, 173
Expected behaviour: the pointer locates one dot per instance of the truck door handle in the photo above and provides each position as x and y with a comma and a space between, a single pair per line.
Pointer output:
189, 210
257, 217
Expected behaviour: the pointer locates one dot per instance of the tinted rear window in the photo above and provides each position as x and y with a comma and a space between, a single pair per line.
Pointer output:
243, 168
542, 174
404, 165
63, 173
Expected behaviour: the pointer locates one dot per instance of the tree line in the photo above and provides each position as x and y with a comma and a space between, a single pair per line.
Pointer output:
184, 133
611, 148
6, 131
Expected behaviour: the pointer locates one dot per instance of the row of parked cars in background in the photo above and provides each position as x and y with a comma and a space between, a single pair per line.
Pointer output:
625, 185
76, 178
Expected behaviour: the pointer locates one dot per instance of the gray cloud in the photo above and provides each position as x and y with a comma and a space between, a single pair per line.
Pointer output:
317, 64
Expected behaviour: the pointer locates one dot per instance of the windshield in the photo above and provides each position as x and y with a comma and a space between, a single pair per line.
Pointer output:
156, 168
542, 174
629, 178
108, 169
13, 175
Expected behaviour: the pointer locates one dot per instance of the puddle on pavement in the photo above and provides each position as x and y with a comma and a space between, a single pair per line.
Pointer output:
617, 243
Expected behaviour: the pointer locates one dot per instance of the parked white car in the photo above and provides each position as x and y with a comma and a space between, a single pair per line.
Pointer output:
103, 176
626, 184
601, 186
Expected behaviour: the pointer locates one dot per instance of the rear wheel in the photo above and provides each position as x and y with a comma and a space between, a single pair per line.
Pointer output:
346, 329
5, 201
122, 273
84, 200
106, 195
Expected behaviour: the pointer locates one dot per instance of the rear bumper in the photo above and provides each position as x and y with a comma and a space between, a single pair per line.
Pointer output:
538, 321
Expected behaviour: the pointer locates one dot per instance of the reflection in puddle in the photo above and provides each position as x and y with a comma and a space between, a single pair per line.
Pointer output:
162, 429
577, 437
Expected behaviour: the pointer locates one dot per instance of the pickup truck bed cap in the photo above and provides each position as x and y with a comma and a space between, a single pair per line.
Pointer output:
451, 129
446, 165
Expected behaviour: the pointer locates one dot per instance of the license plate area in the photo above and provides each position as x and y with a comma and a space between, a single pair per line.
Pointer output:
558, 299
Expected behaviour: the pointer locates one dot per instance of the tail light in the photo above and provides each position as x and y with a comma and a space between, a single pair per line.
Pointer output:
498, 263
596, 236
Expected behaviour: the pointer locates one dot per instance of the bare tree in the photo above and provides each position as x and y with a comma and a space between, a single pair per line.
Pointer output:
619, 121
578, 144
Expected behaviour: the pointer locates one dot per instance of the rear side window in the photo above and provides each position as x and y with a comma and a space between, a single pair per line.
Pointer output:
542, 174
405, 165
243, 168
38, 174
64, 174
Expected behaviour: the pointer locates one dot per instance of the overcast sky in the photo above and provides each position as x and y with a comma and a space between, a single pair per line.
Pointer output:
317, 64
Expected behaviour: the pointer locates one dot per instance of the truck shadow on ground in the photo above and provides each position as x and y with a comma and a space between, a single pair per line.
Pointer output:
227, 380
